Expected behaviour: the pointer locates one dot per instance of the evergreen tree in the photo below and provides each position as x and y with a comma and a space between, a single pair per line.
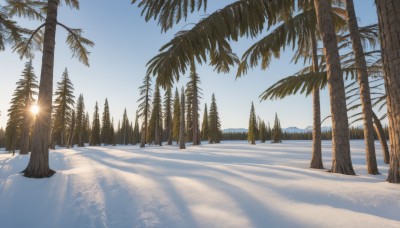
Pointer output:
19, 114
106, 125
205, 125
79, 116
155, 123
86, 129
176, 118
189, 120
277, 131
144, 106
95, 134
193, 95
168, 115
263, 131
63, 107
215, 133
112, 133
182, 121
136, 133
2, 138
124, 132
252, 126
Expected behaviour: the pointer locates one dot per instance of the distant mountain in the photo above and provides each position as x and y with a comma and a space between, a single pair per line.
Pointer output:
289, 129
234, 130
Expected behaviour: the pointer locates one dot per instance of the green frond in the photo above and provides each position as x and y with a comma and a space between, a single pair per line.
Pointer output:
72, 3
26, 8
28, 45
303, 84
78, 44
169, 12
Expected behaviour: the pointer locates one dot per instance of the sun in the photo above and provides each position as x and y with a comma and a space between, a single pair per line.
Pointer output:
35, 109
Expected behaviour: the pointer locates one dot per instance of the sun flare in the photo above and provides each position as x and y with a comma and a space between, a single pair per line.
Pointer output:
35, 109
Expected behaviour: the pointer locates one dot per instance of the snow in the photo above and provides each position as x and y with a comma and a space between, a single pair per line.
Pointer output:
232, 184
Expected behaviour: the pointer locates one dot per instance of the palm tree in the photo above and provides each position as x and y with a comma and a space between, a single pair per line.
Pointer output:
341, 160
362, 73
389, 26
38, 166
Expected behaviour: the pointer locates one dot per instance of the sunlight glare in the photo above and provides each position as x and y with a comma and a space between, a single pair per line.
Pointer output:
35, 109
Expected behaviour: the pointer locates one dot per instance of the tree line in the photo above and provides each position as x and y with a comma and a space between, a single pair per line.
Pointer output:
72, 124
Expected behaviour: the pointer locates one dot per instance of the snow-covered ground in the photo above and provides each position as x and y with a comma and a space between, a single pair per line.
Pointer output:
232, 184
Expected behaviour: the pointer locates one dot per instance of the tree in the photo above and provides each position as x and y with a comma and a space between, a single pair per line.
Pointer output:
277, 131
38, 166
215, 132
389, 27
263, 131
252, 126
176, 118
136, 133
106, 125
112, 133
155, 123
182, 125
168, 115
205, 125
124, 128
341, 160
95, 134
63, 107
79, 117
87, 131
144, 106
193, 96
362, 75
20, 117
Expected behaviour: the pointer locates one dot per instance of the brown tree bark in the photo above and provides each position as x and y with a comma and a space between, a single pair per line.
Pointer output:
341, 160
195, 111
381, 135
316, 160
389, 26
362, 78
38, 166
182, 127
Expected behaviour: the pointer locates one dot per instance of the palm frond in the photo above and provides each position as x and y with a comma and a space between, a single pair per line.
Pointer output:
291, 85
26, 8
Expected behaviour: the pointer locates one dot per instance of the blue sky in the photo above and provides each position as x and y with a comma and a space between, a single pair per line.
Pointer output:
124, 44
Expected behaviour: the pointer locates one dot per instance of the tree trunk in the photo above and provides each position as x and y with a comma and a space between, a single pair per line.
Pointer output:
389, 26
182, 127
169, 132
195, 111
382, 138
38, 166
316, 160
362, 78
341, 160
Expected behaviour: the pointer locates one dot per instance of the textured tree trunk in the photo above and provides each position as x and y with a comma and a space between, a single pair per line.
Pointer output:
169, 132
71, 133
182, 127
38, 166
389, 26
341, 160
316, 160
382, 138
362, 78
195, 108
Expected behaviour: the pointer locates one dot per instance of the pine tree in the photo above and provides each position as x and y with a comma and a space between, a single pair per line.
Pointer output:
124, 128
112, 133
86, 129
155, 123
63, 107
20, 117
277, 131
79, 116
106, 125
136, 133
252, 126
182, 121
189, 121
168, 115
214, 131
95, 134
263, 131
205, 125
144, 106
176, 118
193, 95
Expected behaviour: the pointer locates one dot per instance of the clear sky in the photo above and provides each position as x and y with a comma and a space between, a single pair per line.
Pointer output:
124, 44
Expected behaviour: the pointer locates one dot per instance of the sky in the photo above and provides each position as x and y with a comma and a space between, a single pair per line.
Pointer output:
124, 43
